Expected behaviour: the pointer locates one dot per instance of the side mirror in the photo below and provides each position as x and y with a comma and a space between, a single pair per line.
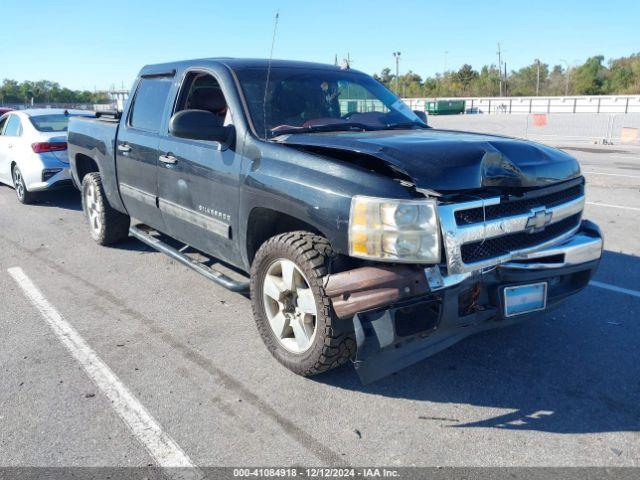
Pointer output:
199, 125
421, 115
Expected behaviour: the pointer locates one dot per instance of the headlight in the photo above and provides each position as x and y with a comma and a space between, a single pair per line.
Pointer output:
394, 230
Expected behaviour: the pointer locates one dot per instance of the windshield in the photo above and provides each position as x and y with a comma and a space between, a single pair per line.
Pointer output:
54, 122
303, 100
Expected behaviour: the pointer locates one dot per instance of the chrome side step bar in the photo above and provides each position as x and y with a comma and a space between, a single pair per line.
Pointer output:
213, 275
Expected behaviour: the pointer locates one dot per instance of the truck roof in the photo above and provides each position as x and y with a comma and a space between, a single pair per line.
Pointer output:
235, 64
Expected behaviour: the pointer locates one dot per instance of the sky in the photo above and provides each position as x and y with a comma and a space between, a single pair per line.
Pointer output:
97, 44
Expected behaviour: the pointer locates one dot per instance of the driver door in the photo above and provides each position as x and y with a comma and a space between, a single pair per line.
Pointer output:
198, 180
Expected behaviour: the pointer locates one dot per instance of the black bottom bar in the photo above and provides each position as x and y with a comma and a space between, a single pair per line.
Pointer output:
219, 278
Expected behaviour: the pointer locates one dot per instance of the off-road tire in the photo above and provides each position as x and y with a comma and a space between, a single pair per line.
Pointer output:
24, 196
333, 345
113, 226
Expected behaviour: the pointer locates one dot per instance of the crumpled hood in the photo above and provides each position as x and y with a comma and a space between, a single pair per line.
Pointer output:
448, 160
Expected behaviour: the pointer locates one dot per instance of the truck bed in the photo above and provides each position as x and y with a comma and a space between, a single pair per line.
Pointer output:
93, 140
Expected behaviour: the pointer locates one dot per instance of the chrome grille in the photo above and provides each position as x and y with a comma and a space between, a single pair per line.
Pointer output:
496, 247
508, 228
518, 206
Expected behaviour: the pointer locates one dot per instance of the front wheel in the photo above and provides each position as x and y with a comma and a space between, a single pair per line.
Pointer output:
106, 224
24, 195
291, 310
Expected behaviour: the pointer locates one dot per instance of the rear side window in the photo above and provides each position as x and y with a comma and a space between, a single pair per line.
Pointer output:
56, 122
13, 127
148, 104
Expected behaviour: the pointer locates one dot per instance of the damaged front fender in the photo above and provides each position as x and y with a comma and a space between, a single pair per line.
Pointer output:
401, 319
366, 288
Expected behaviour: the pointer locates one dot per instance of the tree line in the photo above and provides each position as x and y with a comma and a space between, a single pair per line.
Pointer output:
45, 91
593, 77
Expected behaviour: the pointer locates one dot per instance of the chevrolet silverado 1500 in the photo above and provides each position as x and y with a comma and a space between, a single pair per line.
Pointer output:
366, 234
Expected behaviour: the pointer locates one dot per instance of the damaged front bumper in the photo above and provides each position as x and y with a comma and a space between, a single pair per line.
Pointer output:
404, 314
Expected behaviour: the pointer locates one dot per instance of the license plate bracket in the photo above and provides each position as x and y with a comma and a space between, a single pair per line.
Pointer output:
522, 299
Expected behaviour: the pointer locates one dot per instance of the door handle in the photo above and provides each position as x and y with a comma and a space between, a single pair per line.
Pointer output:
123, 147
168, 158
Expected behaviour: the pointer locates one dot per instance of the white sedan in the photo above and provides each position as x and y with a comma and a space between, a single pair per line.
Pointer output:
33, 150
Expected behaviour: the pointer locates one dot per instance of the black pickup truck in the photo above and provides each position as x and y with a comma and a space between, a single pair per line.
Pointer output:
366, 234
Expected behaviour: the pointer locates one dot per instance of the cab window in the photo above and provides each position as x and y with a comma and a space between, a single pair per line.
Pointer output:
148, 104
201, 91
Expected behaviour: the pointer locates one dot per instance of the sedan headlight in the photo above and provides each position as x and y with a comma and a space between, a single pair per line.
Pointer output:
404, 231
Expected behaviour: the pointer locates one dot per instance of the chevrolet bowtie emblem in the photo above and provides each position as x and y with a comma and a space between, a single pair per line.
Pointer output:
539, 219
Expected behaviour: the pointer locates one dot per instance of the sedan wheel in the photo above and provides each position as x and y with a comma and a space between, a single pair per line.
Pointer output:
24, 196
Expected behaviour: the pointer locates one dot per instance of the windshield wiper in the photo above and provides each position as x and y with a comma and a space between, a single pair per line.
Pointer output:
398, 125
328, 127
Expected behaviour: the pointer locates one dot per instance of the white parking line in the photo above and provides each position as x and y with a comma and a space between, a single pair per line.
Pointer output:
164, 450
612, 174
613, 288
621, 207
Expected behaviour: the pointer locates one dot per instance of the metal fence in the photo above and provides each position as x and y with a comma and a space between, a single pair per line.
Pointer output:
555, 127
608, 104
348, 105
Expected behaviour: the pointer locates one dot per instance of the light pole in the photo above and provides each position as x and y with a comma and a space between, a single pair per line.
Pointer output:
537, 60
397, 57
566, 77
499, 52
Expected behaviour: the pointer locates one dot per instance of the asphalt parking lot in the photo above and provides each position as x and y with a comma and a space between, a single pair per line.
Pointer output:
560, 390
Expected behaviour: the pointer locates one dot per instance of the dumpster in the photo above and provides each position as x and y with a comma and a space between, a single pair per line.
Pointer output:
445, 107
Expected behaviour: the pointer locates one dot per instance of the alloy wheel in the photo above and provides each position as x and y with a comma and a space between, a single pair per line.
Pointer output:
18, 183
290, 306
93, 208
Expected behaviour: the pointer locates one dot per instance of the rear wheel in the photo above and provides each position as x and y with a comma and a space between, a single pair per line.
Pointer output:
24, 195
106, 224
291, 310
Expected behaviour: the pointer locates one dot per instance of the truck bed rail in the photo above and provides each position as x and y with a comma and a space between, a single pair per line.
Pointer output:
115, 114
